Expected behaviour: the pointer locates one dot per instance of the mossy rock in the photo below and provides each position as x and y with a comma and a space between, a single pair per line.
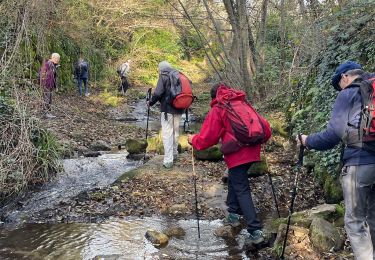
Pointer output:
331, 185
211, 154
258, 168
324, 235
134, 146
278, 128
127, 176
155, 144
299, 219
332, 190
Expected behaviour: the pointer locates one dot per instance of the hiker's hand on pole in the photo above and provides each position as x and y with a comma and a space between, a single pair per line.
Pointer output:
302, 141
190, 138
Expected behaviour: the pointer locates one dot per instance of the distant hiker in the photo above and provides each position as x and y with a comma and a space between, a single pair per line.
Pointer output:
348, 121
47, 80
123, 72
81, 74
170, 116
228, 109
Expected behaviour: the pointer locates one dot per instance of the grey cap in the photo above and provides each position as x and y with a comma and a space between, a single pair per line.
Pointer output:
164, 65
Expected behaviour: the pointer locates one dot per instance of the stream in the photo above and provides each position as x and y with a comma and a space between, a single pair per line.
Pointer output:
116, 238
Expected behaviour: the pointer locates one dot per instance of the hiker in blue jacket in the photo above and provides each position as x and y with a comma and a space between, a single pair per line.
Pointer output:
81, 74
358, 172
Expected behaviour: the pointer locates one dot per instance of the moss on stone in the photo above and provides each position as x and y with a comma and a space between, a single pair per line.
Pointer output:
211, 154
134, 146
278, 128
332, 190
127, 176
258, 168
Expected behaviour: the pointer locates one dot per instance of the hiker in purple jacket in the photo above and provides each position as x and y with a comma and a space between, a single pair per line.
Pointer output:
47, 79
358, 172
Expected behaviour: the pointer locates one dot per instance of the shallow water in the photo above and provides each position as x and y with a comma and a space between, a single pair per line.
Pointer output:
80, 174
117, 239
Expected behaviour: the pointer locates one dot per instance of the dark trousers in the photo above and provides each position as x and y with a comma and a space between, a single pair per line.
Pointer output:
239, 200
124, 85
79, 86
47, 99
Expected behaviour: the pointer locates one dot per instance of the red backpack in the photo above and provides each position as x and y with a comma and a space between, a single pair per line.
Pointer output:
248, 127
366, 139
181, 94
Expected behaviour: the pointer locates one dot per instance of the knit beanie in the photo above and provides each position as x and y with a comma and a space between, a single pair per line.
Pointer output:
164, 65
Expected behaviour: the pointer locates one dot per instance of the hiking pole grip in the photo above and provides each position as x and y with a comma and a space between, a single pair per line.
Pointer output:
301, 151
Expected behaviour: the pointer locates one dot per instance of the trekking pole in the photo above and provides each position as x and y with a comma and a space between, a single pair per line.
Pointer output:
294, 193
272, 187
148, 97
195, 191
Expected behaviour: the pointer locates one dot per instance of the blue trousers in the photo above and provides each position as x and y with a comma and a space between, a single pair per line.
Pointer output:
239, 200
79, 86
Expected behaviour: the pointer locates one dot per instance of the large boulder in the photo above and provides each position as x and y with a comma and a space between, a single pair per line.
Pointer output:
325, 236
134, 146
211, 154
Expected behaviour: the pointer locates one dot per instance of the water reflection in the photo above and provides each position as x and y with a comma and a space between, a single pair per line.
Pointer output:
116, 239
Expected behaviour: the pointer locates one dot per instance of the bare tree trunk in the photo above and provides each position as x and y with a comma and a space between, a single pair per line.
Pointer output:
262, 36
282, 41
223, 47
302, 7
244, 47
253, 55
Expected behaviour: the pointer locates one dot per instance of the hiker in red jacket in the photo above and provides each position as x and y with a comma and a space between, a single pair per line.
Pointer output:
216, 127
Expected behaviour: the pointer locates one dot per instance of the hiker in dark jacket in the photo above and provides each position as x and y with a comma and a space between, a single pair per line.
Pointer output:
358, 172
47, 80
81, 74
170, 116
216, 127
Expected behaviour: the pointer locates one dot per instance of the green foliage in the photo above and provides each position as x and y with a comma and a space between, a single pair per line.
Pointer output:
350, 38
151, 47
48, 152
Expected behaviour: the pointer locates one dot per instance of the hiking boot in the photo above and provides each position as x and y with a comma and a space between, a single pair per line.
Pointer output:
168, 165
232, 220
87, 94
256, 237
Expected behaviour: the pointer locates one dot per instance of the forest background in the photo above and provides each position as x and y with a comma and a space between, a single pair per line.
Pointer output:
281, 52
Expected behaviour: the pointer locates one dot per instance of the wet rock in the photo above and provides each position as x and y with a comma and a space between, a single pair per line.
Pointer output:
211, 154
299, 245
175, 232
156, 238
325, 236
100, 146
92, 154
225, 232
325, 211
134, 146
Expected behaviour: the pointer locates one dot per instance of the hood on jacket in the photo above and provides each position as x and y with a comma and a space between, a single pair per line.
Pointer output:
225, 94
